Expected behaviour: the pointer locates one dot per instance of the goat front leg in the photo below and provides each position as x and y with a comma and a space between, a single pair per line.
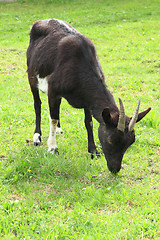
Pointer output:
37, 107
89, 126
59, 129
54, 105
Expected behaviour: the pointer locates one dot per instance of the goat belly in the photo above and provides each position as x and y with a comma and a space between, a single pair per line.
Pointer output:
74, 100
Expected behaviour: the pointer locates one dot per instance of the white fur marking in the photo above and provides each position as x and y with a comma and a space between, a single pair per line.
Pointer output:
65, 25
59, 130
43, 84
44, 22
52, 135
36, 138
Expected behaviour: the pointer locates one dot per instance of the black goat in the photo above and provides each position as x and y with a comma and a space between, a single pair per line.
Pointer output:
63, 63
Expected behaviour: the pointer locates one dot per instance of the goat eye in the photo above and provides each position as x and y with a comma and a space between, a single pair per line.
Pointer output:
109, 141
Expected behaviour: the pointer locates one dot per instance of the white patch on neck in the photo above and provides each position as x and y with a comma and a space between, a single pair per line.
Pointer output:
43, 84
67, 26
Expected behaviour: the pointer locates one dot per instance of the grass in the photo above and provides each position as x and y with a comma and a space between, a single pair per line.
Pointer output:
70, 195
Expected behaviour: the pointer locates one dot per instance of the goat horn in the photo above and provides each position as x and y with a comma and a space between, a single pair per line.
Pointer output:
134, 119
121, 121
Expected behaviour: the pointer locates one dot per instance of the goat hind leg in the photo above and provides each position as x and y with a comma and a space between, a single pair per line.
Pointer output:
54, 123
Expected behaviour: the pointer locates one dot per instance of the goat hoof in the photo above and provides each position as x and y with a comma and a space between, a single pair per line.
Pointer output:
56, 151
36, 143
37, 139
53, 150
59, 130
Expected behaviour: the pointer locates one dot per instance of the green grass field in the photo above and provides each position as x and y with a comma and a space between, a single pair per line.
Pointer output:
70, 195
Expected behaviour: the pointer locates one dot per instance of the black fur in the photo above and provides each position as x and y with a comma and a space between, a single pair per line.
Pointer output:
69, 61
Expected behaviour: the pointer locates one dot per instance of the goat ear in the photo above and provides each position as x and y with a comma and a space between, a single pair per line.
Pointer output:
142, 114
107, 117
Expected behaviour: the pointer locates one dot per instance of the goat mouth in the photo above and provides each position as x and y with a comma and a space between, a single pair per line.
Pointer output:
114, 169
